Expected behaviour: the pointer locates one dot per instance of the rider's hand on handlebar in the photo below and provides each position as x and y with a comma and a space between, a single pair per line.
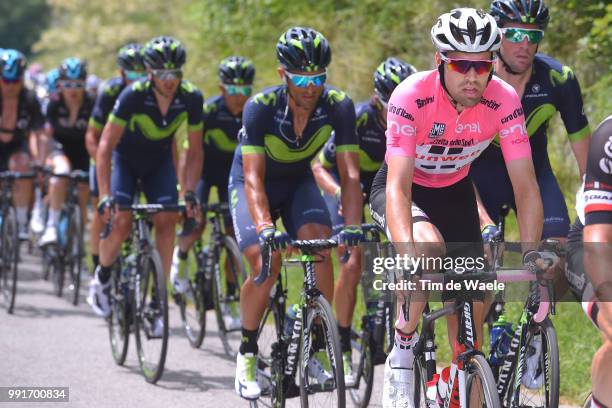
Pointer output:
542, 262
490, 232
275, 239
351, 235
192, 206
104, 206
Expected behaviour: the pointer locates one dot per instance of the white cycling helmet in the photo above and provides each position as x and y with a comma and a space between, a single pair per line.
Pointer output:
466, 30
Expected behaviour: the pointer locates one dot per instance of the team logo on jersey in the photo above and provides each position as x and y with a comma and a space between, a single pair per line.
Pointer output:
535, 88
468, 127
422, 102
437, 130
405, 130
517, 112
399, 111
490, 103
606, 162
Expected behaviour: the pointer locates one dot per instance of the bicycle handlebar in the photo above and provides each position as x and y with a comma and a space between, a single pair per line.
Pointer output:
308, 246
140, 209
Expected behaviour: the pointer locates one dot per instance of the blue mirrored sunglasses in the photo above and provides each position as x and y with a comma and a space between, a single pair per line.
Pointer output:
238, 89
135, 75
302, 81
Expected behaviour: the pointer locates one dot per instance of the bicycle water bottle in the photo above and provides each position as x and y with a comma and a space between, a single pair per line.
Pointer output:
501, 336
290, 317
62, 230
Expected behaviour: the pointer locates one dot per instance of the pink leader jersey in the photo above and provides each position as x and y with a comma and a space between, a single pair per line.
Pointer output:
422, 123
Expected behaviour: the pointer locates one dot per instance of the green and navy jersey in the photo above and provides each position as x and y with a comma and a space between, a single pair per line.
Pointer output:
220, 138
372, 145
29, 116
268, 128
105, 101
553, 87
58, 118
147, 134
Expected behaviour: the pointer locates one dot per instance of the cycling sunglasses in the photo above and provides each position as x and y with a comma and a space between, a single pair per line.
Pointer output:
71, 84
517, 35
135, 75
167, 73
463, 66
302, 81
238, 89
11, 80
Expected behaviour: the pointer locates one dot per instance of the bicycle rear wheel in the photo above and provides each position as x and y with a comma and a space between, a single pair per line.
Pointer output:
10, 248
420, 383
539, 382
228, 279
481, 390
151, 316
75, 248
363, 364
192, 308
120, 318
331, 393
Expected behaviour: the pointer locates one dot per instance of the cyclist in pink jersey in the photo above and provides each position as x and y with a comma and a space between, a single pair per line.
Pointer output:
438, 122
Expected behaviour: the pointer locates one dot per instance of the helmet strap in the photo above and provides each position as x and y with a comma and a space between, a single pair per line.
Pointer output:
506, 66
443, 82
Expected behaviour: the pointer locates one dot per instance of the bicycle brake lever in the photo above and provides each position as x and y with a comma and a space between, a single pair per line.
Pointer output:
189, 226
266, 259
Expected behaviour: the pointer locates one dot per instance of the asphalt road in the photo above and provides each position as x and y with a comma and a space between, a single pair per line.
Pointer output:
49, 342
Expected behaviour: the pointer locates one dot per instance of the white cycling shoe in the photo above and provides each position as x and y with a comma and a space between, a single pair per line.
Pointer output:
397, 387
245, 382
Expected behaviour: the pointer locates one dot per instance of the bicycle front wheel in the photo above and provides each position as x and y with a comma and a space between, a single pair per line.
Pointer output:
228, 279
75, 248
322, 378
192, 307
538, 385
120, 318
10, 248
481, 390
361, 390
151, 316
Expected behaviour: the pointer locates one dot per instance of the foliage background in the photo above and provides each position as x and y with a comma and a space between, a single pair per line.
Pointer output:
361, 34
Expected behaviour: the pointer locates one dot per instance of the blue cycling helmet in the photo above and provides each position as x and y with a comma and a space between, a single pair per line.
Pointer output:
13, 65
52, 77
73, 68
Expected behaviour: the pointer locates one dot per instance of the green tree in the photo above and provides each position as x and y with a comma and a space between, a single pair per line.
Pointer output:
21, 23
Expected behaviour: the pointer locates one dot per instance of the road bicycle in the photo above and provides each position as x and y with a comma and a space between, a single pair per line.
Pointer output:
285, 353
216, 283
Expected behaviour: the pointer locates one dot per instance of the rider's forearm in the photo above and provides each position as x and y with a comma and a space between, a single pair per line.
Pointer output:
530, 213
581, 152
92, 138
324, 179
352, 201
257, 200
194, 159
483, 216
103, 167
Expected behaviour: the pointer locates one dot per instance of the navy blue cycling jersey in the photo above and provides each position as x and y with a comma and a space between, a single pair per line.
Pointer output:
220, 139
372, 145
268, 128
29, 117
105, 101
553, 87
147, 134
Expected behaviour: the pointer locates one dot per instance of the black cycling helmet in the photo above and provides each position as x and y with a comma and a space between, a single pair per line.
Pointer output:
520, 11
303, 49
164, 53
389, 74
237, 70
129, 57
73, 69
